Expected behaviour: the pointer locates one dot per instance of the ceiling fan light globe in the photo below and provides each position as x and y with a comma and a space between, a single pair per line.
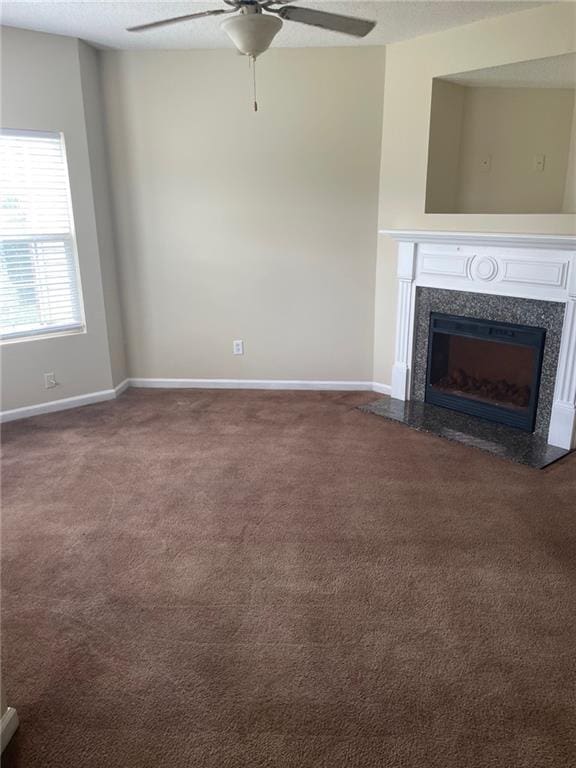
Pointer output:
252, 33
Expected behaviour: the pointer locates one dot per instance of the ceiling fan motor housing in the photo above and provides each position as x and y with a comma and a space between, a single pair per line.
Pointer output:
252, 33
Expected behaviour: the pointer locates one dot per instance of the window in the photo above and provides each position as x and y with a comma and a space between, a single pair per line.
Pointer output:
39, 280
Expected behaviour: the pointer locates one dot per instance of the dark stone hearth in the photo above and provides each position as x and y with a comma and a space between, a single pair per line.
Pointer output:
497, 439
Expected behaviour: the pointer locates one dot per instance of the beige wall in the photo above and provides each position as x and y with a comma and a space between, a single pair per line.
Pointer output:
101, 188
410, 67
235, 225
42, 89
443, 176
569, 203
511, 125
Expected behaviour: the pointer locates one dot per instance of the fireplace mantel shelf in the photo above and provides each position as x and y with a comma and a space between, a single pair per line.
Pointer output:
503, 240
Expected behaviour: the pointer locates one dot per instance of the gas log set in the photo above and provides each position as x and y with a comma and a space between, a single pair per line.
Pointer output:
501, 391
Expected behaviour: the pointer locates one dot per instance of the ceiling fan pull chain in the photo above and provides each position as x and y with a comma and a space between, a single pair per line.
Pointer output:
253, 58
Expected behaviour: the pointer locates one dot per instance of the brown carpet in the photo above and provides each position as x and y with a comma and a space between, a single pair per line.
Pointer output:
209, 579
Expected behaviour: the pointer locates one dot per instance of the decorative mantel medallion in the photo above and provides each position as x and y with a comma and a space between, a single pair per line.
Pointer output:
483, 268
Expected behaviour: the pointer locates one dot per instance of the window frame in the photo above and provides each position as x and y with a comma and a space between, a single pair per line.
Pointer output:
69, 329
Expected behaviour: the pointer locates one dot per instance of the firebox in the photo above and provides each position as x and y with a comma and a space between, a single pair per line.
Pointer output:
484, 368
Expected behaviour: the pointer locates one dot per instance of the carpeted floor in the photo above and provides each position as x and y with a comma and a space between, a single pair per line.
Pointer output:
217, 579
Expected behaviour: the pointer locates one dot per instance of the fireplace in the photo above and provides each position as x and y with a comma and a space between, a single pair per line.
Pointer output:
525, 280
485, 368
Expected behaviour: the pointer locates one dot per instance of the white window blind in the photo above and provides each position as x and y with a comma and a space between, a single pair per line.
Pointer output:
39, 280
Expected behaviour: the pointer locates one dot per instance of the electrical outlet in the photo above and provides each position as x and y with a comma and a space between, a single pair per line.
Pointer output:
50, 380
538, 163
486, 163
238, 347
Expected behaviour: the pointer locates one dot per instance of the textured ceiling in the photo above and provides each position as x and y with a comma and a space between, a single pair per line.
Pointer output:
104, 22
553, 72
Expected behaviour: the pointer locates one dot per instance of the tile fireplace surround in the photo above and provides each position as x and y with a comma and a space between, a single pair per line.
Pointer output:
509, 276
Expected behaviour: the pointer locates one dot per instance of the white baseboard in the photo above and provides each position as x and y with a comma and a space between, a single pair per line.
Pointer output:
382, 389
562, 430
110, 394
346, 386
8, 725
57, 405
122, 387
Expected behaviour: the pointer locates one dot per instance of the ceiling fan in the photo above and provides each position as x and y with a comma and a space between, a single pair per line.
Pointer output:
256, 22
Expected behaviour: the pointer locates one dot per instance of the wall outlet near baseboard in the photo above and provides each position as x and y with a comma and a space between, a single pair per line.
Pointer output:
50, 380
238, 347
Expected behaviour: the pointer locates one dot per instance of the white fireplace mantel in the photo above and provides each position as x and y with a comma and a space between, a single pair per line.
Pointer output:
554, 242
541, 267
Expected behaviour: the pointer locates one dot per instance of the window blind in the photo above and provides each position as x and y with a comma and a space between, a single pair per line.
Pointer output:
39, 280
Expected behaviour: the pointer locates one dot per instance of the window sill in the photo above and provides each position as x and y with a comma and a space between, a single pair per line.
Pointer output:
42, 336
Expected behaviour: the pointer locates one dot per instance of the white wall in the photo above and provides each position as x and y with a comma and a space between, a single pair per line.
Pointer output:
549, 30
42, 89
235, 225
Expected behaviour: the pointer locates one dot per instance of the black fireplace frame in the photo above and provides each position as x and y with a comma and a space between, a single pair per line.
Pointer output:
487, 330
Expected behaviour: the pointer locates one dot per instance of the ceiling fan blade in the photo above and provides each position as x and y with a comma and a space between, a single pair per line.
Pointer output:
177, 19
349, 25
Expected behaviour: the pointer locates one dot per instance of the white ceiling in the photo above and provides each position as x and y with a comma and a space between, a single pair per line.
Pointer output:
103, 22
552, 72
